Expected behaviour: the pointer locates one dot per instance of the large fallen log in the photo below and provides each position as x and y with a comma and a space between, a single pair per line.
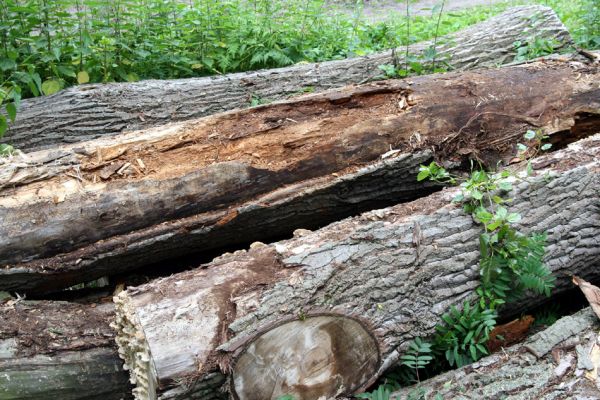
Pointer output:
59, 350
90, 111
102, 207
561, 362
375, 269
326, 312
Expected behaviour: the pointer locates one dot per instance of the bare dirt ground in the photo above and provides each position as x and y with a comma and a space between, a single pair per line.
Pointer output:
377, 10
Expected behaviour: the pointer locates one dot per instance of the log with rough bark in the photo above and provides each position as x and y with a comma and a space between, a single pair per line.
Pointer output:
561, 362
59, 350
78, 212
90, 111
326, 312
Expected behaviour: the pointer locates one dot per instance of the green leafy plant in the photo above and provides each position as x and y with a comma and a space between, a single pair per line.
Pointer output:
535, 47
417, 356
511, 262
465, 332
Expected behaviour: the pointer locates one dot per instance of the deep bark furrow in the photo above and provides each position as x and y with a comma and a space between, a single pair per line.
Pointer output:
43, 122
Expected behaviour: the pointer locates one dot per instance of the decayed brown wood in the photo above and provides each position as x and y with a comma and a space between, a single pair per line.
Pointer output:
59, 350
561, 362
395, 271
79, 212
91, 111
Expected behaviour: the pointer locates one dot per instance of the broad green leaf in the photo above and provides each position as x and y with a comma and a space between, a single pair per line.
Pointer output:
546, 146
458, 198
501, 213
477, 195
83, 77
11, 110
7, 64
530, 135
3, 125
506, 186
50, 86
423, 174
513, 217
66, 71
6, 149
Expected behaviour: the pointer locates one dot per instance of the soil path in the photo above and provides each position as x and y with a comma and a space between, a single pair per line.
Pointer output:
378, 10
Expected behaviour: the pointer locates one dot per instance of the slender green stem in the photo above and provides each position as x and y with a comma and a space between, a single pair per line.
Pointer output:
435, 37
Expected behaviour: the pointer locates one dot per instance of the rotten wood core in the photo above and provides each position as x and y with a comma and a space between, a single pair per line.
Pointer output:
396, 270
90, 111
252, 174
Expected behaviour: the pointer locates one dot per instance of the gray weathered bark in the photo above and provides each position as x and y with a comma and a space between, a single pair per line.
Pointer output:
561, 362
91, 111
102, 207
397, 270
59, 350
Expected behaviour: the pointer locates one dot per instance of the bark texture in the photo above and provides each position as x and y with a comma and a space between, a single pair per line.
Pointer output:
91, 111
397, 270
561, 362
101, 207
59, 350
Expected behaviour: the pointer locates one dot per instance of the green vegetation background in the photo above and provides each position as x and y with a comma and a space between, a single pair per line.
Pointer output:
47, 45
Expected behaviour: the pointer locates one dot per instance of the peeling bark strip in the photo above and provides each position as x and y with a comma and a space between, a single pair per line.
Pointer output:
567, 369
59, 350
176, 332
91, 111
252, 174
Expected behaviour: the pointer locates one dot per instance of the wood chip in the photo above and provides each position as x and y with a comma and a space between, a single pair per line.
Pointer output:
109, 170
123, 168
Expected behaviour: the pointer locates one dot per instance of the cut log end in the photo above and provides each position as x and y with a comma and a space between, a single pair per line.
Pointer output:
317, 357
134, 350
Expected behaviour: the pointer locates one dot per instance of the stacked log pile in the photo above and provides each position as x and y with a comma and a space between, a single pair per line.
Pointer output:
375, 259
353, 292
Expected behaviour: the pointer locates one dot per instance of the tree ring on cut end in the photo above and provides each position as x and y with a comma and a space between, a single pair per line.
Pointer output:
323, 355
